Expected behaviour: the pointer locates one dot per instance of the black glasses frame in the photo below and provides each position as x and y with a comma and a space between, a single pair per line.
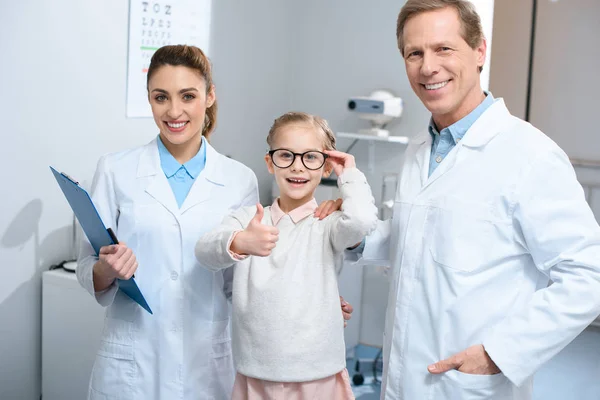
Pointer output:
301, 155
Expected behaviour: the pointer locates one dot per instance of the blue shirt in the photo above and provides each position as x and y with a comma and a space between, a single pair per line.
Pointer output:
445, 140
181, 177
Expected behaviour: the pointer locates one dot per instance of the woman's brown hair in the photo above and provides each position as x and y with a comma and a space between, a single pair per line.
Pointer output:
194, 58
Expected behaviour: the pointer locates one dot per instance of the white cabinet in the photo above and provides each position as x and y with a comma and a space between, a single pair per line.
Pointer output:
72, 324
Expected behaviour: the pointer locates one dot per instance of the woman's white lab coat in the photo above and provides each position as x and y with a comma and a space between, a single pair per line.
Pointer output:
470, 247
183, 350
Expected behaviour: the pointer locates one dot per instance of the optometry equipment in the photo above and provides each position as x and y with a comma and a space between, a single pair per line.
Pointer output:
380, 108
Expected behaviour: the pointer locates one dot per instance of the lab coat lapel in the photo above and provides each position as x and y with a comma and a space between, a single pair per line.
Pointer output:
423, 154
494, 120
483, 130
444, 167
210, 177
158, 186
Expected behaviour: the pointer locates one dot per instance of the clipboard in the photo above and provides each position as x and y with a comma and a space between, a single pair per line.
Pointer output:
93, 227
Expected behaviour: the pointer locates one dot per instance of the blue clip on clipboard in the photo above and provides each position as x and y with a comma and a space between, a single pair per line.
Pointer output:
94, 229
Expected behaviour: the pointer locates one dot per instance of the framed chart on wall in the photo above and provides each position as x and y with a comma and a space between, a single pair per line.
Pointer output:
153, 24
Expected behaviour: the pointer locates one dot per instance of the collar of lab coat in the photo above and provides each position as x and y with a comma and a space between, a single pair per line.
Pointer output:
476, 136
150, 163
158, 186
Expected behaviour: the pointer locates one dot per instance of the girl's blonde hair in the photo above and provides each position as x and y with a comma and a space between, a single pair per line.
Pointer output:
295, 117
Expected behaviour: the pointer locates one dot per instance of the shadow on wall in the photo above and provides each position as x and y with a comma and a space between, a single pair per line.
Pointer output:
25, 226
20, 310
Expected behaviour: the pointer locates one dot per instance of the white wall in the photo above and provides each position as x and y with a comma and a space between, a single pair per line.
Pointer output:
63, 79
63, 104
249, 51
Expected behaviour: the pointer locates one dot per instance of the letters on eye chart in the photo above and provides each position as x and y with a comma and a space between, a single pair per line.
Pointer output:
156, 24
153, 24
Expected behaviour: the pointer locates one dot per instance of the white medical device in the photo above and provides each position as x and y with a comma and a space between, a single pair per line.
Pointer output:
379, 108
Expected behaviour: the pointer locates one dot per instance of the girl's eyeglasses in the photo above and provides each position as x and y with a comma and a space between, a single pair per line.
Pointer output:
312, 160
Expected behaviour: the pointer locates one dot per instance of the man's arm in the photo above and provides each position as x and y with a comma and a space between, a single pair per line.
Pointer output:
375, 248
562, 236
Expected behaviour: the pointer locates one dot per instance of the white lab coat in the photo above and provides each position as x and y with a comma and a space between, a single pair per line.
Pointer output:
183, 351
472, 249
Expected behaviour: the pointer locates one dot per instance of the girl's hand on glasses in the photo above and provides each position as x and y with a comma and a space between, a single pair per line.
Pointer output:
340, 161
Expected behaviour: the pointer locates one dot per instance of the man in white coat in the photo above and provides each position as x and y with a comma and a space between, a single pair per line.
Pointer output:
488, 213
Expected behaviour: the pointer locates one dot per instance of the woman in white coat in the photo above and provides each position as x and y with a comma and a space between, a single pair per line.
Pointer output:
160, 198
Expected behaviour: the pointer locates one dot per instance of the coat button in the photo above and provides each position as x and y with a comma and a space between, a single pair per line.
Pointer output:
174, 275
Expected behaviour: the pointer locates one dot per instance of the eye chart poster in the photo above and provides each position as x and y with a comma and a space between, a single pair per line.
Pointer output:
153, 24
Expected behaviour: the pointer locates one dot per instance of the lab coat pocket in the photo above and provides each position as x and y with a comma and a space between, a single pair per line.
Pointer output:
472, 381
221, 359
461, 240
114, 368
458, 385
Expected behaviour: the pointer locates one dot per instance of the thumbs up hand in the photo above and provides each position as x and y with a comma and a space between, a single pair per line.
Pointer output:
257, 239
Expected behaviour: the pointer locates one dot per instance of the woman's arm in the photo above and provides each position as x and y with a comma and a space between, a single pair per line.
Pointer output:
90, 272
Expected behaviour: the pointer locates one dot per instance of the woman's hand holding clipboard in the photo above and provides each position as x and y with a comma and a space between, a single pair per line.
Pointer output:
115, 261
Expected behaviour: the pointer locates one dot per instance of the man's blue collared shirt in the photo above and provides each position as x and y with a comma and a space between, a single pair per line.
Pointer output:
445, 140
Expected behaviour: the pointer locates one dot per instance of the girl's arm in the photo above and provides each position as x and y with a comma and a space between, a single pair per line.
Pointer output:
249, 197
359, 214
212, 249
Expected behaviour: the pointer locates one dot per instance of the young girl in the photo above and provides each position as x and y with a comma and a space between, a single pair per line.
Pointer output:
288, 340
